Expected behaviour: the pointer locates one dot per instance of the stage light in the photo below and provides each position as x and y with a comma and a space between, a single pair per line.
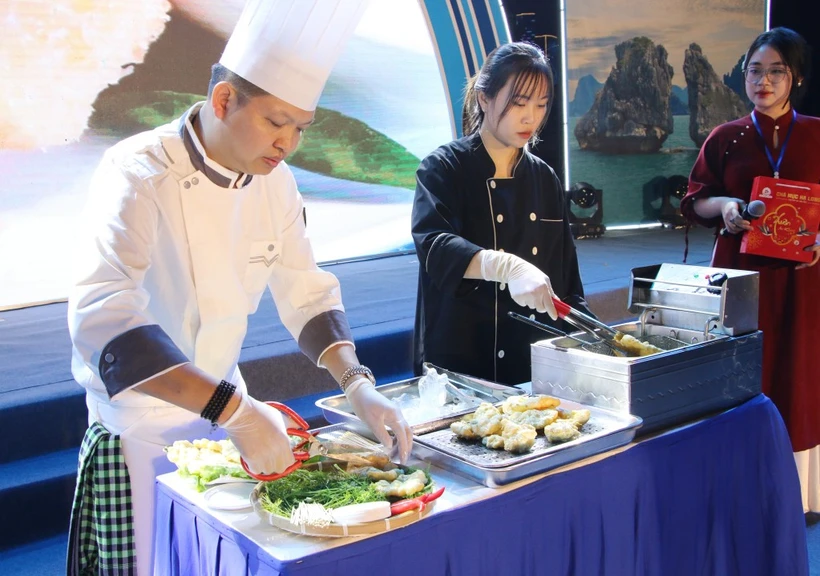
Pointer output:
661, 200
676, 189
585, 210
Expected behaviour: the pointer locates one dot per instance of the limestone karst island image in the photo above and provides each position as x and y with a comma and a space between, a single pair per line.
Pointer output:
633, 112
646, 82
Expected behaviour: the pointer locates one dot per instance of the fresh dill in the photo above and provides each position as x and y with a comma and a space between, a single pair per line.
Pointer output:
332, 488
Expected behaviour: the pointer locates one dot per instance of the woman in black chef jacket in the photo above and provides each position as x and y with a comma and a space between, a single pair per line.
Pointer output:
490, 227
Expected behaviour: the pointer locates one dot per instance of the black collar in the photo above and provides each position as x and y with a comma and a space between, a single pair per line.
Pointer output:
219, 175
475, 144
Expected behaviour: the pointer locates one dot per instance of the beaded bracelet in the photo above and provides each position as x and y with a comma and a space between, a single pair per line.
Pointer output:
353, 371
216, 405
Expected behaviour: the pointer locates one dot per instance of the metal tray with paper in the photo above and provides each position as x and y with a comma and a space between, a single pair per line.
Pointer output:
464, 395
604, 431
435, 442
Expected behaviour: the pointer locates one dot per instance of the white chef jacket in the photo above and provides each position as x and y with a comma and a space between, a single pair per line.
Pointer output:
176, 253
175, 256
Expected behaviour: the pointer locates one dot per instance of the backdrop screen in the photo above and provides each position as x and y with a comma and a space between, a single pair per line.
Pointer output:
647, 81
80, 75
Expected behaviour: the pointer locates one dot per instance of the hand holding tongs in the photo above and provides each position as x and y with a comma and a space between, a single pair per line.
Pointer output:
591, 326
309, 447
556, 332
343, 449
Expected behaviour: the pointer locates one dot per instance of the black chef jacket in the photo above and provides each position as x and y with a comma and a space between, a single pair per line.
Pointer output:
459, 209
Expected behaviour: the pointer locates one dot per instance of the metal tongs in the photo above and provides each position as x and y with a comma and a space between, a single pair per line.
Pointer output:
598, 330
348, 447
484, 387
591, 326
545, 327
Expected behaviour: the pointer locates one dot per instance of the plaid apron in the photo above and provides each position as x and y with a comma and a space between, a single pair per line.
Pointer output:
101, 536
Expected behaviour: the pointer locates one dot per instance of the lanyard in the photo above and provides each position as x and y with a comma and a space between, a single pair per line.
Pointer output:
775, 167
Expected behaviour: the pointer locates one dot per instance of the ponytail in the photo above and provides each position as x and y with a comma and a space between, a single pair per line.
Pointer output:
524, 63
471, 113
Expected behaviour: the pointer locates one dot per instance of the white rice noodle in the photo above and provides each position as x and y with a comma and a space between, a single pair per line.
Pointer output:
311, 514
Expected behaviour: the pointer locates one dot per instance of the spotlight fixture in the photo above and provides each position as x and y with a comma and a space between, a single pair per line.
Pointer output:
676, 189
586, 210
661, 200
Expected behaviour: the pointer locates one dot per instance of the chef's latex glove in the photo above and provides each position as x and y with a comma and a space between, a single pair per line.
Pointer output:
527, 284
377, 412
260, 434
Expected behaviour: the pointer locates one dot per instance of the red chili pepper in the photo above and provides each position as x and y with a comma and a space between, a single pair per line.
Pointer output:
403, 506
433, 495
413, 503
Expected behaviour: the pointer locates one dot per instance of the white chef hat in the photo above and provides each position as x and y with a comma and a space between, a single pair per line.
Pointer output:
289, 47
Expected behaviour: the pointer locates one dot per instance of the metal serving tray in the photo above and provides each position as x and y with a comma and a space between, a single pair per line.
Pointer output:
337, 409
434, 441
604, 431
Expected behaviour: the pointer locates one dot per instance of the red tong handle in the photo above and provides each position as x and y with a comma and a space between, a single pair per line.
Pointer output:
419, 503
271, 477
583, 321
299, 454
562, 308
298, 420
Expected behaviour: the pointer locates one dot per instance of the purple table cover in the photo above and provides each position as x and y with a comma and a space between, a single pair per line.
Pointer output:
719, 497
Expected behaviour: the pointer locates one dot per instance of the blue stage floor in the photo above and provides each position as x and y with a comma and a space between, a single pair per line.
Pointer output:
606, 262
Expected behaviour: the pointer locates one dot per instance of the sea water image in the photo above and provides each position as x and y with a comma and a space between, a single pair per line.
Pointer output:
647, 81
629, 181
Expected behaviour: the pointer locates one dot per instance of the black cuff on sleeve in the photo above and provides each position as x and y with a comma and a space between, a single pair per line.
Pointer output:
322, 331
447, 261
137, 355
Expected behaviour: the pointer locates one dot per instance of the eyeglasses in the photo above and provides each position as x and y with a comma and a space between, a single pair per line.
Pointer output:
775, 74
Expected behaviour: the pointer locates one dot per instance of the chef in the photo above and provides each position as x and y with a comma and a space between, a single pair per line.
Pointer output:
186, 227
490, 227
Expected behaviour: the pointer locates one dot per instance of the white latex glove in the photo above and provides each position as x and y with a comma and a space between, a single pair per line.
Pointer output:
527, 284
259, 432
377, 412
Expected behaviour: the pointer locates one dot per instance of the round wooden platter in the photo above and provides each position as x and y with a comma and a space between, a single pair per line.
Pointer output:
337, 530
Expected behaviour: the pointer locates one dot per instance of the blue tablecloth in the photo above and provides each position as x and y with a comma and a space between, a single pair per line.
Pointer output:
719, 497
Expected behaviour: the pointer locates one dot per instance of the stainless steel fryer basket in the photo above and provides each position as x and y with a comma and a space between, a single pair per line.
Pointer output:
639, 331
663, 342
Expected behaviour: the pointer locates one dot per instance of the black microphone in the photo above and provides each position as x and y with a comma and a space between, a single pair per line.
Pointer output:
752, 211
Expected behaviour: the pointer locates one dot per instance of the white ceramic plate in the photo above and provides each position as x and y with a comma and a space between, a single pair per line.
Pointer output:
229, 480
234, 496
